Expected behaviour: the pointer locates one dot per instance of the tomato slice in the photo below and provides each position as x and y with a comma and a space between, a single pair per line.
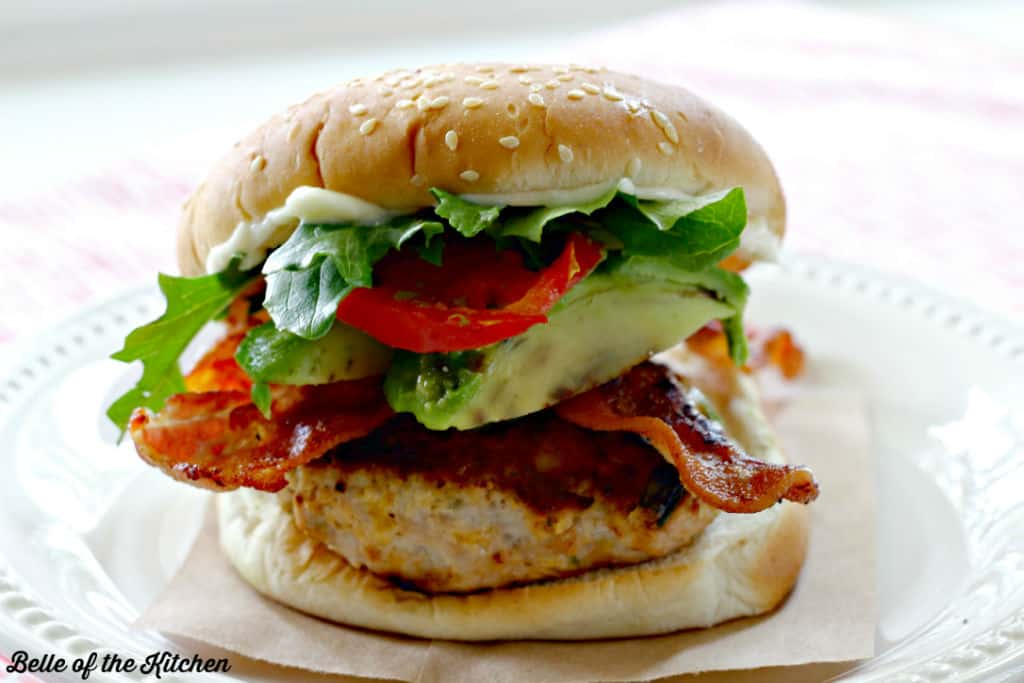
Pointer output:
578, 258
424, 326
478, 297
475, 274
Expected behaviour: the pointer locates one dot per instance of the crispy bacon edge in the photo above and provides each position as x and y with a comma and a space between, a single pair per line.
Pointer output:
647, 402
218, 440
213, 437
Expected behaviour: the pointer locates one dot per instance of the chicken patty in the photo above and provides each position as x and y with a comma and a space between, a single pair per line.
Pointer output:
510, 503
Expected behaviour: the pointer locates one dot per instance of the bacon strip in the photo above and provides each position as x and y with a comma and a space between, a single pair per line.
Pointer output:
218, 370
774, 346
219, 440
647, 402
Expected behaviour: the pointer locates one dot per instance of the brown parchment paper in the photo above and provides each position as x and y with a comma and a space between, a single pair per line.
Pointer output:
829, 617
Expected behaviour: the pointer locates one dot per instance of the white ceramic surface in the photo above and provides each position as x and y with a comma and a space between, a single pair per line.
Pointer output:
88, 534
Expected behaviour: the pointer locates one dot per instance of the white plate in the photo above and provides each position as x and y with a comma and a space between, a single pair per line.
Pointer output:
89, 535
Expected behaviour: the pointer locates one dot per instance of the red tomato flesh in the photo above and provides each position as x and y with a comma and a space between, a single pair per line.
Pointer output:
477, 298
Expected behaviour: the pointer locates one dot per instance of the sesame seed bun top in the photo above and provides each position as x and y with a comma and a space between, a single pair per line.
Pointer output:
480, 130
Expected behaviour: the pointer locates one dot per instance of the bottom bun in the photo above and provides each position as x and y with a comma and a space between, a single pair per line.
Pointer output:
740, 565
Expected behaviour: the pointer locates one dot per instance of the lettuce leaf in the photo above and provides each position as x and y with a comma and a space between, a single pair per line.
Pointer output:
191, 303
691, 233
318, 265
531, 223
304, 301
467, 218
261, 398
694, 233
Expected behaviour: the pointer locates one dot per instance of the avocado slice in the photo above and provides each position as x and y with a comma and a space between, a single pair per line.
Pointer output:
605, 325
276, 356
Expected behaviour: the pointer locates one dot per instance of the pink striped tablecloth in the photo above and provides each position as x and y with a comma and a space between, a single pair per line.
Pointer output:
899, 147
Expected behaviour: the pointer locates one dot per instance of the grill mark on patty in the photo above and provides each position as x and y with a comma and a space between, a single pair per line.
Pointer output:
548, 463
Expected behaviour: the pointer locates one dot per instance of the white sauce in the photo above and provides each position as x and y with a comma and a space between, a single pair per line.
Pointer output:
317, 205
304, 204
759, 242
577, 195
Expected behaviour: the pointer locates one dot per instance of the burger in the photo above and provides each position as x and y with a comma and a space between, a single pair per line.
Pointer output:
482, 372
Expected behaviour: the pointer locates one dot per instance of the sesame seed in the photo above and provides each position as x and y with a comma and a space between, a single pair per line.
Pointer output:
470, 176
451, 138
472, 102
357, 109
525, 80
536, 87
409, 83
666, 126
565, 78
565, 153
575, 94
489, 85
666, 148
535, 99
591, 69
368, 126
633, 106
485, 69
258, 163
590, 88
610, 94
475, 80
560, 70
416, 180
404, 104
634, 167
519, 69
355, 82
509, 142
552, 84
433, 80
422, 102
386, 92
438, 102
